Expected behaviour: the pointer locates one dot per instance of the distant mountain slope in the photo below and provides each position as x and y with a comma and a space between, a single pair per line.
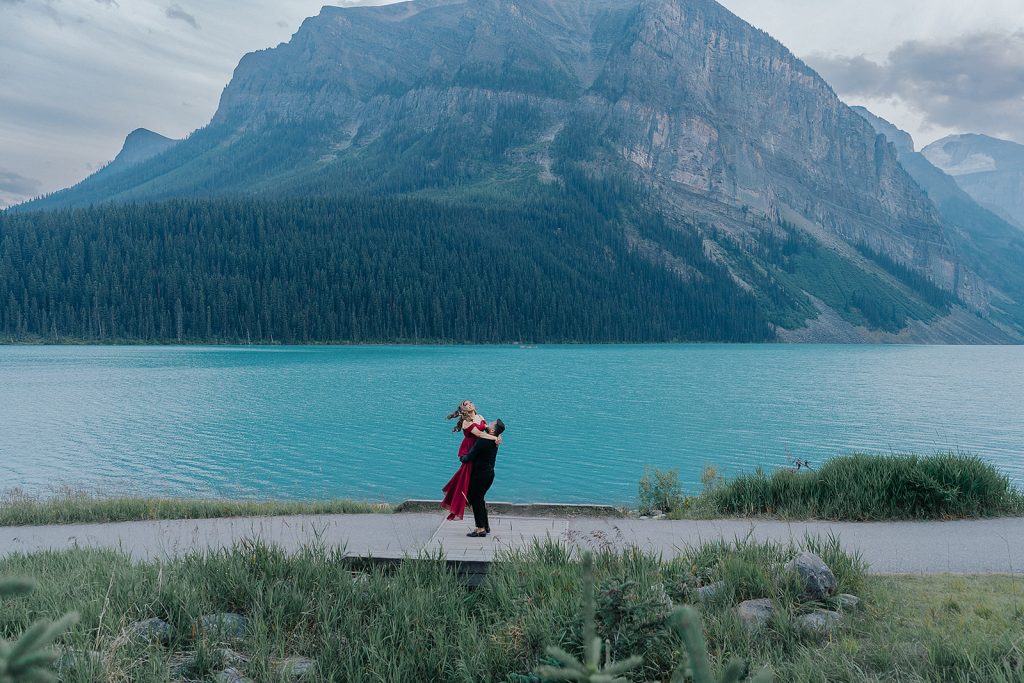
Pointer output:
139, 146
672, 112
988, 169
987, 243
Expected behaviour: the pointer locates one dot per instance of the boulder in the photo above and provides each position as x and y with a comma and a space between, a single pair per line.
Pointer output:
151, 631
817, 581
296, 668
755, 613
846, 601
821, 621
709, 591
226, 626
231, 675
72, 659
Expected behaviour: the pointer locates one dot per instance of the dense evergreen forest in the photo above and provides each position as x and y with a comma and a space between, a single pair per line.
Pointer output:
318, 269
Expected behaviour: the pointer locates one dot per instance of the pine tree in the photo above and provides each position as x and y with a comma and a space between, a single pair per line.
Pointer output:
30, 658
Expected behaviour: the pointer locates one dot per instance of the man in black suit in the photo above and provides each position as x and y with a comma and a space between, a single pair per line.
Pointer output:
482, 455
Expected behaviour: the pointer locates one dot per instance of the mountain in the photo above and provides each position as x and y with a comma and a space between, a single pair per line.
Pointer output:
140, 145
677, 121
988, 169
985, 242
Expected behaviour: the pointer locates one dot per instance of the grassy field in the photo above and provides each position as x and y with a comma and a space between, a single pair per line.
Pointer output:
70, 507
855, 487
417, 622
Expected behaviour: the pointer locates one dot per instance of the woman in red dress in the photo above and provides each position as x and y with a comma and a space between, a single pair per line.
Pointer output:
473, 427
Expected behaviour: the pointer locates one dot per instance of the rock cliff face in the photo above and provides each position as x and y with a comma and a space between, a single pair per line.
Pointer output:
720, 126
989, 246
688, 95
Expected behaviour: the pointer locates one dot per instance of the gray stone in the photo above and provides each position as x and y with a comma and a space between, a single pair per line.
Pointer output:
846, 601
231, 675
755, 613
73, 659
224, 626
296, 668
709, 591
151, 631
817, 581
821, 621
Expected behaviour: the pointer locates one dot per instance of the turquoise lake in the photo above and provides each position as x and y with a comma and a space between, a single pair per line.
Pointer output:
368, 422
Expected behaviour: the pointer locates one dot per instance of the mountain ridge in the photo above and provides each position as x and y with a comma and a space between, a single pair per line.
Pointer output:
668, 110
989, 169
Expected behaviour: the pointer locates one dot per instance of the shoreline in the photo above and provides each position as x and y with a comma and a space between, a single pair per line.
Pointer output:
71, 343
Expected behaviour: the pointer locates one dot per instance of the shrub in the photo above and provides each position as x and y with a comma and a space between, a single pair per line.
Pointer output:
30, 657
687, 624
660, 490
874, 487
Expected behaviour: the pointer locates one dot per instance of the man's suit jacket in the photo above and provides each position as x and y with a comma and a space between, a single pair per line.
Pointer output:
483, 454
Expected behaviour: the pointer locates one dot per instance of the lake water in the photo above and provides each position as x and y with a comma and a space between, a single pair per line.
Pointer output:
368, 422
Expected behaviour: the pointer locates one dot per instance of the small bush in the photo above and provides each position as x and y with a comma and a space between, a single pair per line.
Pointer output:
660, 490
873, 487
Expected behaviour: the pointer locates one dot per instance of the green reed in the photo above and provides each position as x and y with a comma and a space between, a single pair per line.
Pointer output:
868, 487
68, 506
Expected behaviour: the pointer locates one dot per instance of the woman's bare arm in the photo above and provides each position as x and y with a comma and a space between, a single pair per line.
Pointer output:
484, 435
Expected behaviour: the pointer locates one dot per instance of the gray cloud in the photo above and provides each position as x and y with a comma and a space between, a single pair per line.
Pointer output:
176, 12
972, 83
109, 3
19, 185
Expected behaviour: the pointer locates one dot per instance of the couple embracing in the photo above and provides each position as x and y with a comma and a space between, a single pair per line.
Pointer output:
475, 475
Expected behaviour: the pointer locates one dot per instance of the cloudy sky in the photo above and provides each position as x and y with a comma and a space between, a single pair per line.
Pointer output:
76, 76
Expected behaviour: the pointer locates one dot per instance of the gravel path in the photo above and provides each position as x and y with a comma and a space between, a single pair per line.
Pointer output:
962, 547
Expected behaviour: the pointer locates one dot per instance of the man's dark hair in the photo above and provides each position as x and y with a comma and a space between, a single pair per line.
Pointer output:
499, 427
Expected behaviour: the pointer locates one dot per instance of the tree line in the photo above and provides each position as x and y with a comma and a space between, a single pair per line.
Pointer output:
331, 269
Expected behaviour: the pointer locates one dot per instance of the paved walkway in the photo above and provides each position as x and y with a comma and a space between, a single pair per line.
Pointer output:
982, 546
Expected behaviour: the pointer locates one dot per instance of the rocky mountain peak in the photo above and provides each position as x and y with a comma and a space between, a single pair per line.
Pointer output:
141, 144
989, 169
900, 138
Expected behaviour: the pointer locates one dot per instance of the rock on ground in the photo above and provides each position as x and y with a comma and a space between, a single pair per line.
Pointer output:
296, 668
821, 620
847, 601
231, 675
151, 631
222, 626
755, 613
709, 591
70, 658
817, 581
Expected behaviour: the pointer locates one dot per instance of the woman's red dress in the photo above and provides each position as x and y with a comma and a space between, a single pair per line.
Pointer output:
457, 489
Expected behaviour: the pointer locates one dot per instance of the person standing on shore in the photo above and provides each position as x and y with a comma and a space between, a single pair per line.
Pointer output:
473, 427
481, 458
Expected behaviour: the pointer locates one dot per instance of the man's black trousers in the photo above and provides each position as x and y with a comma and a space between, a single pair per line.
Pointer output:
478, 486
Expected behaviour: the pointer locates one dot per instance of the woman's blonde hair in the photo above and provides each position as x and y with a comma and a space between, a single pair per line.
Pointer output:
462, 413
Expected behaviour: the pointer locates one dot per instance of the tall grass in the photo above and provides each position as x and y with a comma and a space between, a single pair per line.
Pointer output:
418, 622
69, 506
872, 487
